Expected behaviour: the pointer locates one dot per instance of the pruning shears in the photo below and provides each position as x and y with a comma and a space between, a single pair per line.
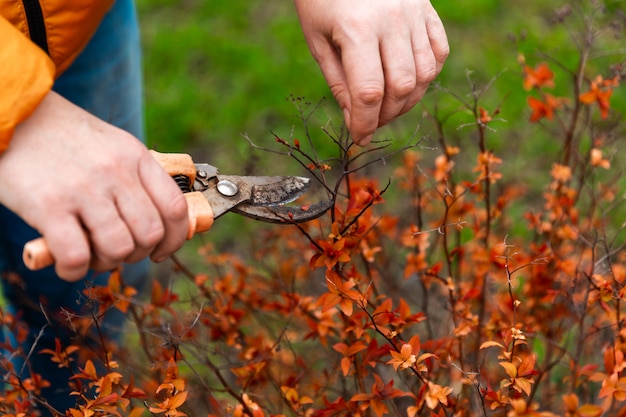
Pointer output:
210, 195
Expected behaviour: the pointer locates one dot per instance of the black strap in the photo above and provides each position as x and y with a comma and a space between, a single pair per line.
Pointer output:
36, 26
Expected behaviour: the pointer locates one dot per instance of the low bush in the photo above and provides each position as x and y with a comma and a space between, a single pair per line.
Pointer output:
454, 275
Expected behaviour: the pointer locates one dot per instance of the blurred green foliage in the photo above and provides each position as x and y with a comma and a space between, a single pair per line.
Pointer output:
215, 71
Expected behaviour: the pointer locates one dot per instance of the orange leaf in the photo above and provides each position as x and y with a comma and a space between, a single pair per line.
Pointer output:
597, 160
540, 76
414, 342
540, 109
571, 402
379, 408
600, 92
106, 387
178, 400
403, 359
484, 116
346, 363
527, 366
590, 410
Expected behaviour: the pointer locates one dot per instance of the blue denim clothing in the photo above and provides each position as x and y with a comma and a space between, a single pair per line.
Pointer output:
106, 80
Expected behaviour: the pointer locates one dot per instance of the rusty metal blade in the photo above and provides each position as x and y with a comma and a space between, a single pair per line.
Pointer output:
272, 191
259, 197
284, 214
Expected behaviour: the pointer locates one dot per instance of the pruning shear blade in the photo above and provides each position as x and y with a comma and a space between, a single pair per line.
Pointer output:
285, 214
259, 197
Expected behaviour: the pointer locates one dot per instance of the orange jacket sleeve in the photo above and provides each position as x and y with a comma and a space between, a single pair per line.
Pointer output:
26, 76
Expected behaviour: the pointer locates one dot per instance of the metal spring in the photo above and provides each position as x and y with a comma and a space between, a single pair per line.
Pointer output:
183, 183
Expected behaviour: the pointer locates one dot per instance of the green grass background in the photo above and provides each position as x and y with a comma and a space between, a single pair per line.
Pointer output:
217, 70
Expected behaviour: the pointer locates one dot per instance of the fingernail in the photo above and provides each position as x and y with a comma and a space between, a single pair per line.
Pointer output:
364, 141
158, 259
346, 117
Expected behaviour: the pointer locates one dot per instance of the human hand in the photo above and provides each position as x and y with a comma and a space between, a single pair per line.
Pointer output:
378, 57
92, 190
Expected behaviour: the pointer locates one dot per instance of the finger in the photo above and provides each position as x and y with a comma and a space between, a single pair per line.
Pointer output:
329, 61
142, 219
425, 62
110, 238
170, 204
422, 76
68, 244
430, 50
430, 46
438, 40
366, 84
400, 75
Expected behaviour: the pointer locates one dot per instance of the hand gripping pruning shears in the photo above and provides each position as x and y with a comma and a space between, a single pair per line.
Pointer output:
210, 195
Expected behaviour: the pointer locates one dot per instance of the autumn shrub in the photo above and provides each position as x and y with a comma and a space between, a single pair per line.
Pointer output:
454, 275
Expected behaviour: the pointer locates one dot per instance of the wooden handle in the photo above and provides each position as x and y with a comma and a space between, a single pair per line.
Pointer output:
36, 254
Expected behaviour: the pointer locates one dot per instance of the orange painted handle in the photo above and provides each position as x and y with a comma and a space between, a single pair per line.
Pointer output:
200, 213
36, 254
176, 164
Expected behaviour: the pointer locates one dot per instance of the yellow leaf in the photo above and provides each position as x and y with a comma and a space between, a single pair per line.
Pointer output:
90, 369
290, 393
425, 356
510, 369
306, 400
491, 343
590, 410
106, 387
570, 401
523, 384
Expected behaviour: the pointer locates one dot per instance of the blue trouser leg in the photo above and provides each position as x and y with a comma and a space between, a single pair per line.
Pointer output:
105, 80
